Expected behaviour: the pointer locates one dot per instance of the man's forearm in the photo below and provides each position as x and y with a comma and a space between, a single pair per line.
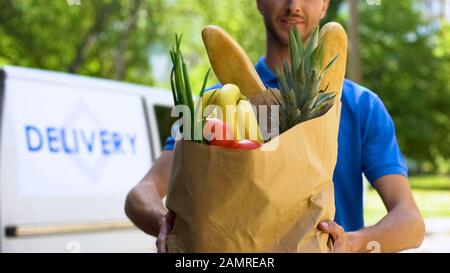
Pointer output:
402, 228
143, 205
145, 209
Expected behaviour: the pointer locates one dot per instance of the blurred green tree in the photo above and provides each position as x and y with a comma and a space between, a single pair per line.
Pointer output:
401, 65
103, 38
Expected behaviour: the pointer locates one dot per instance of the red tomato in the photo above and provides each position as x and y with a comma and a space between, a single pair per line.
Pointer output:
218, 133
246, 144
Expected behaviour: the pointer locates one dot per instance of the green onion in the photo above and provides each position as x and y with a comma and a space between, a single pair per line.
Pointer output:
181, 87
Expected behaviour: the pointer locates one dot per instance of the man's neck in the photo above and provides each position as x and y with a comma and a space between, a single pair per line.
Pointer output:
276, 53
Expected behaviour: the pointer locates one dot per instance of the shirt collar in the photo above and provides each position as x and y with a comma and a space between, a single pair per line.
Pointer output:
264, 72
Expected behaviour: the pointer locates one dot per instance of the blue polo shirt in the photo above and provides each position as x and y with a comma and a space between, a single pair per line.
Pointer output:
366, 144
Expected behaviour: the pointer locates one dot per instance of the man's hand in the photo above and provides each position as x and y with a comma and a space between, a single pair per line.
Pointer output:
402, 228
166, 227
342, 241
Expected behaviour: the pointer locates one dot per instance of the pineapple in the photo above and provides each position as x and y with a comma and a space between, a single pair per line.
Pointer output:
300, 82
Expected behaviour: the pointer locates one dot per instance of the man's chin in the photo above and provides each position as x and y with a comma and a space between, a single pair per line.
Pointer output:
282, 36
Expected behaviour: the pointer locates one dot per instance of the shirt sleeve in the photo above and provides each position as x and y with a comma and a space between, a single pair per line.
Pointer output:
381, 153
169, 144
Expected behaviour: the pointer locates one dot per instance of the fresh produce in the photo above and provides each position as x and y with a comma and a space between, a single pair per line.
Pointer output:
208, 98
222, 105
227, 99
238, 113
218, 133
306, 84
246, 116
333, 39
224, 132
246, 144
181, 88
230, 62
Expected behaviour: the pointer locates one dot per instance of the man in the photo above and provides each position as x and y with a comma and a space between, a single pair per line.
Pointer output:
367, 144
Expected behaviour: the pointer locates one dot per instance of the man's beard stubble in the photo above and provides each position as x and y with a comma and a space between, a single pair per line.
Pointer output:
273, 34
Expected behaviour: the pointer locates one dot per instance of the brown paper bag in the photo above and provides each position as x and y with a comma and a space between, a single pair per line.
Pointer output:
229, 200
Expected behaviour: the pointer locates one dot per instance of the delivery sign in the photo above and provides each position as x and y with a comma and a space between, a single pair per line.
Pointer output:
74, 140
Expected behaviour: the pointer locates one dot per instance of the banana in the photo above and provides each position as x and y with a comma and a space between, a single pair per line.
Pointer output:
209, 98
226, 99
230, 62
227, 96
247, 124
237, 113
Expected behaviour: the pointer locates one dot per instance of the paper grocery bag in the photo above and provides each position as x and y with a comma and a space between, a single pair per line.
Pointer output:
229, 200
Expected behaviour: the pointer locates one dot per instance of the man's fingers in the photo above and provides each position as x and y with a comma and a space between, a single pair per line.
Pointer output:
327, 226
161, 243
337, 234
324, 226
332, 228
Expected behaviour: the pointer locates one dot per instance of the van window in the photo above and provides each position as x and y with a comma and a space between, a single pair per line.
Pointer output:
164, 121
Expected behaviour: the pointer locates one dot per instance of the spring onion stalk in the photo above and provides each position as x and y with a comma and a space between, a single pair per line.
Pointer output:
181, 87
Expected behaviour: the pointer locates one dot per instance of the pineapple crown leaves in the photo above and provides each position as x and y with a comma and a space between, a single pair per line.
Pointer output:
300, 82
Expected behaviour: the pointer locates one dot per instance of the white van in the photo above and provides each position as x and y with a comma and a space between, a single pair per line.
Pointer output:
71, 149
